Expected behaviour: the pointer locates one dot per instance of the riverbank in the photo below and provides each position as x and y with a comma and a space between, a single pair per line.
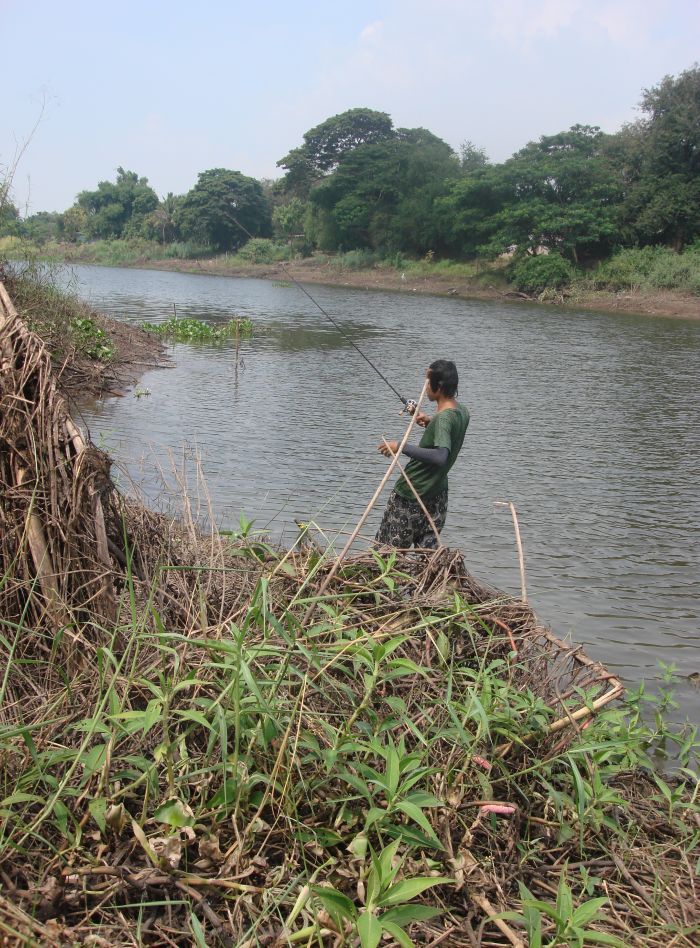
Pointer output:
625, 285
420, 280
224, 744
91, 353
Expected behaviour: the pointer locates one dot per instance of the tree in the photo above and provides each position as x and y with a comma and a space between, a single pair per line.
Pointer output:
382, 194
160, 224
466, 216
472, 158
327, 144
118, 208
561, 193
9, 218
663, 198
43, 227
74, 223
223, 208
288, 219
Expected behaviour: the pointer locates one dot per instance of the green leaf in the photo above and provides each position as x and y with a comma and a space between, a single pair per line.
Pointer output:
374, 815
404, 915
399, 935
602, 938
61, 812
393, 770
97, 809
196, 716
565, 902
174, 813
338, 906
369, 930
197, 931
417, 815
587, 912
409, 889
385, 864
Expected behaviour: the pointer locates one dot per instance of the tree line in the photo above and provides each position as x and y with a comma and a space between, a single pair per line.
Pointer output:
358, 182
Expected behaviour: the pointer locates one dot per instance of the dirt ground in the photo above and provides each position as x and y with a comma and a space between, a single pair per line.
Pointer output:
659, 303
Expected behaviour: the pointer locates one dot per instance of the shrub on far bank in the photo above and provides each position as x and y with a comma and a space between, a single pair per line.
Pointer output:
650, 268
544, 272
262, 250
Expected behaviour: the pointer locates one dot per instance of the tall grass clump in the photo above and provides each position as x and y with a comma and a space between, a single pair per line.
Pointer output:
649, 268
355, 260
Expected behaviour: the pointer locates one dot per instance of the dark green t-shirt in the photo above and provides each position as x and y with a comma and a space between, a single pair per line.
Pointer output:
446, 429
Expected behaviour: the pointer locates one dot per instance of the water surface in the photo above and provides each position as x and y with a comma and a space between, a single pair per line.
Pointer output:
587, 422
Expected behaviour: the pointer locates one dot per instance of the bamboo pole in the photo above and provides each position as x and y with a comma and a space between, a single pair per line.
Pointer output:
370, 505
518, 542
418, 498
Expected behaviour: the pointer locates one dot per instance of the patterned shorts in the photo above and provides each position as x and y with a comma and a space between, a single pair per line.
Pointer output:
404, 524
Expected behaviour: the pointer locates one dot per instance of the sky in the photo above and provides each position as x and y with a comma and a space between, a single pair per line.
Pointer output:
170, 89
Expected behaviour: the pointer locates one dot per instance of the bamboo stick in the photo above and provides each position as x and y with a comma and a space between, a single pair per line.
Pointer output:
518, 542
370, 505
417, 496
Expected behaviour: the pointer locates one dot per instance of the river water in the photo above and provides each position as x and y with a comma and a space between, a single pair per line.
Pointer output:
587, 422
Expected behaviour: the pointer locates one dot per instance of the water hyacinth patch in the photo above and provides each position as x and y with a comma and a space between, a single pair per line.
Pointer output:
197, 331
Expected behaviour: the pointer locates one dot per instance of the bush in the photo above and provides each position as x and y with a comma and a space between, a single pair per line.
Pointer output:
651, 268
544, 272
355, 260
261, 250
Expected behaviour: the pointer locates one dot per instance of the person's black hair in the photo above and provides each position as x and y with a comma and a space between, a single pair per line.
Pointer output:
443, 376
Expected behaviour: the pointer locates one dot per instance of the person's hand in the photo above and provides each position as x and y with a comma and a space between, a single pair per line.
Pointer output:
422, 419
389, 448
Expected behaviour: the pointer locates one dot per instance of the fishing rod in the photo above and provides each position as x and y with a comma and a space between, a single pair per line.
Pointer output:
409, 404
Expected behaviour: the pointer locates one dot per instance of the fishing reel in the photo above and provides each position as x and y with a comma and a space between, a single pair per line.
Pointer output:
409, 407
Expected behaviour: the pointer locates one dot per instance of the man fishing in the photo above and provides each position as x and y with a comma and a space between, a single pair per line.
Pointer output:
404, 523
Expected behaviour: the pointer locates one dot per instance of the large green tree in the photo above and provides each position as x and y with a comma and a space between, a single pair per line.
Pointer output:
561, 193
223, 208
662, 170
382, 195
118, 208
327, 144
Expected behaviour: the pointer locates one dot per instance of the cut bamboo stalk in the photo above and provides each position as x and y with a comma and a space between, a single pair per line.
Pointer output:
521, 558
43, 563
351, 539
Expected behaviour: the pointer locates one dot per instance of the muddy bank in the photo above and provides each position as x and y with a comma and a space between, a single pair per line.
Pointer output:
135, 350
91, 353
657, 303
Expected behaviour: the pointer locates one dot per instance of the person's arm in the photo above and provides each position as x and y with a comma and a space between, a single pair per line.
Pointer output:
436, 456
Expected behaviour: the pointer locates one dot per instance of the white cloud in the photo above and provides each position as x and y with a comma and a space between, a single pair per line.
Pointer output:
521, 21
372, 32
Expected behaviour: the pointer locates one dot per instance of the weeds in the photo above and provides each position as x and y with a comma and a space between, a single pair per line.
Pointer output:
321, 781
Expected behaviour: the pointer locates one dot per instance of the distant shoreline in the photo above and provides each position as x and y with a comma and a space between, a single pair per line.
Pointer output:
657, 303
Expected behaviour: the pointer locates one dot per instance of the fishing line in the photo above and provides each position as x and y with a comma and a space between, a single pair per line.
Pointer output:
337, 325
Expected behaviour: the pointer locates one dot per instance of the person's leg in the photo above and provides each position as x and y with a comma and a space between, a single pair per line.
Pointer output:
424, 535
396, 528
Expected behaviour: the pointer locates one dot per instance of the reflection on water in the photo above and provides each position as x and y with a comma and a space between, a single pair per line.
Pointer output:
588, 422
